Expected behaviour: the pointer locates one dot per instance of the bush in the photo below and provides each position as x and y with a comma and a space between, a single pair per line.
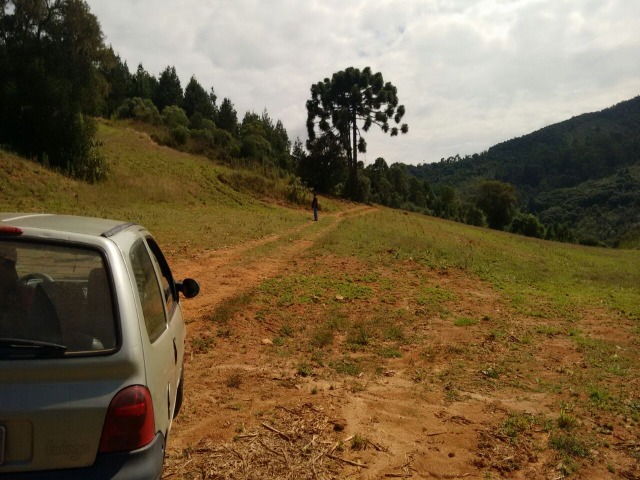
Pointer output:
93, 166
82, 155
243, 180
201, 141
474, 216
361, 191
180, 134
528, 225
174, 117
590, 241
297, 191
198, 122
138, 109
195, 122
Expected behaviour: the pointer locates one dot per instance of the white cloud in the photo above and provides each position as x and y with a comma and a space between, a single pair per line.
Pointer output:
470, 73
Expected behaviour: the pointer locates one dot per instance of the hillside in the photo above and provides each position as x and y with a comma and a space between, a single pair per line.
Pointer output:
581, 172
373, 343
171, 192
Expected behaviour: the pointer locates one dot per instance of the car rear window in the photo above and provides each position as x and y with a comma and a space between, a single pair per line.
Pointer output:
55, 294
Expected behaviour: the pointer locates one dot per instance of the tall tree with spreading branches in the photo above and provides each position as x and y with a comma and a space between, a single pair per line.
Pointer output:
338, 106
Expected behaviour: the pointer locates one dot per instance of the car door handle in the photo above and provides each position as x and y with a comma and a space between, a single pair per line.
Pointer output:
175, 351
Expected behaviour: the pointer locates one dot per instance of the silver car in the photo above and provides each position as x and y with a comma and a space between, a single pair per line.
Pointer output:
91, 348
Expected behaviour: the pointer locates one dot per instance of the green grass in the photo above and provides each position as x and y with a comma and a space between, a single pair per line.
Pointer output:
228, 308
566, 421
465, 322
541, 278
517, 424
389, 352
305, 370
602, 354
347, 366
179, 197
315, 288
569, 444
182, 200
358, 442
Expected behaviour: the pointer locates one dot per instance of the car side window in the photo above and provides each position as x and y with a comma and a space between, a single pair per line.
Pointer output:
168, 286
151, 297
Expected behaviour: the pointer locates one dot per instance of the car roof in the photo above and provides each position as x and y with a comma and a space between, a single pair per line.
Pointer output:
64, 223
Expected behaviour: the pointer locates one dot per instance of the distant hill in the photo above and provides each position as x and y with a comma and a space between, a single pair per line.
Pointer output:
584, 172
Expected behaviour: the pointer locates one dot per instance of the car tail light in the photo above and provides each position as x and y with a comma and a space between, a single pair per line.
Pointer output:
9, 230
129, 424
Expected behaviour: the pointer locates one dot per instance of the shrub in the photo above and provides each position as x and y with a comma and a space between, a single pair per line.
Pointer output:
91, 167
226, 141
528, 225
297, 191
180, 135
569, 444
201, 141
474, 216
138, 109
84, 159
174, 117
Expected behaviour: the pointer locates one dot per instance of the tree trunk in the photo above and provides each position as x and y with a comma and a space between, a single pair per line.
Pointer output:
352, 181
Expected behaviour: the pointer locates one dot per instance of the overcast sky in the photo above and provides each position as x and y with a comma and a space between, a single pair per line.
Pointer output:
471, 73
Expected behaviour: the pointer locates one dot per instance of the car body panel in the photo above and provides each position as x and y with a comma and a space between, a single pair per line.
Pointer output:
141, 464
52, 409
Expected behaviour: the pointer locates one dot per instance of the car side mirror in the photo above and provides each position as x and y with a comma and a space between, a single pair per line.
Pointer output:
188, 287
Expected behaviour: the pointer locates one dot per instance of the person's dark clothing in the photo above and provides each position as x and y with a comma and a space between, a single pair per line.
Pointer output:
314, 206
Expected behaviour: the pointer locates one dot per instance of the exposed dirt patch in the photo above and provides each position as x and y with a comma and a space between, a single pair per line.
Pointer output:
473, 391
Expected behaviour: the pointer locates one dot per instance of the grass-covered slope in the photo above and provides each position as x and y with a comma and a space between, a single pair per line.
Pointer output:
180, 197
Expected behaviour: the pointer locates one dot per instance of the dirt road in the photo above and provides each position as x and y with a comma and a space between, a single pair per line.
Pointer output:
251, 413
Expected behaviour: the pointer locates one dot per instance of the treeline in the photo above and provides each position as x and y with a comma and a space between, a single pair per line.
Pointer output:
49, 84
192, 120
564, 155
581, 172
485, 203
56, 76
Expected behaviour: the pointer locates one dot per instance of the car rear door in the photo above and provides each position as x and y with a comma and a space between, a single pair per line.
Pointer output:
174, 314
159, 342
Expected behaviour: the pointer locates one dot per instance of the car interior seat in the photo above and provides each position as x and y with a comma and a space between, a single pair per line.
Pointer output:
42, 320
100, 307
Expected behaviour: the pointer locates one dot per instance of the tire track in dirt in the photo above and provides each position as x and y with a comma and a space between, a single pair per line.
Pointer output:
229, 272
235, 378
223, 275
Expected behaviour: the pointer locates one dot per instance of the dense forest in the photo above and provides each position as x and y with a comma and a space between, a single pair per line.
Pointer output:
583, 173
574, 181
57, 76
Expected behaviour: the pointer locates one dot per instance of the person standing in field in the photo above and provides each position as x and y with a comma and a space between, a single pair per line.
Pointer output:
314, 206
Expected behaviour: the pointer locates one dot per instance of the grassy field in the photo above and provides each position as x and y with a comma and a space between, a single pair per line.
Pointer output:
537, 275
458, 312
180, 197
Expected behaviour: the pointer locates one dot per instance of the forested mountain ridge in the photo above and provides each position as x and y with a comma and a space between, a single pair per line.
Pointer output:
584, 172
